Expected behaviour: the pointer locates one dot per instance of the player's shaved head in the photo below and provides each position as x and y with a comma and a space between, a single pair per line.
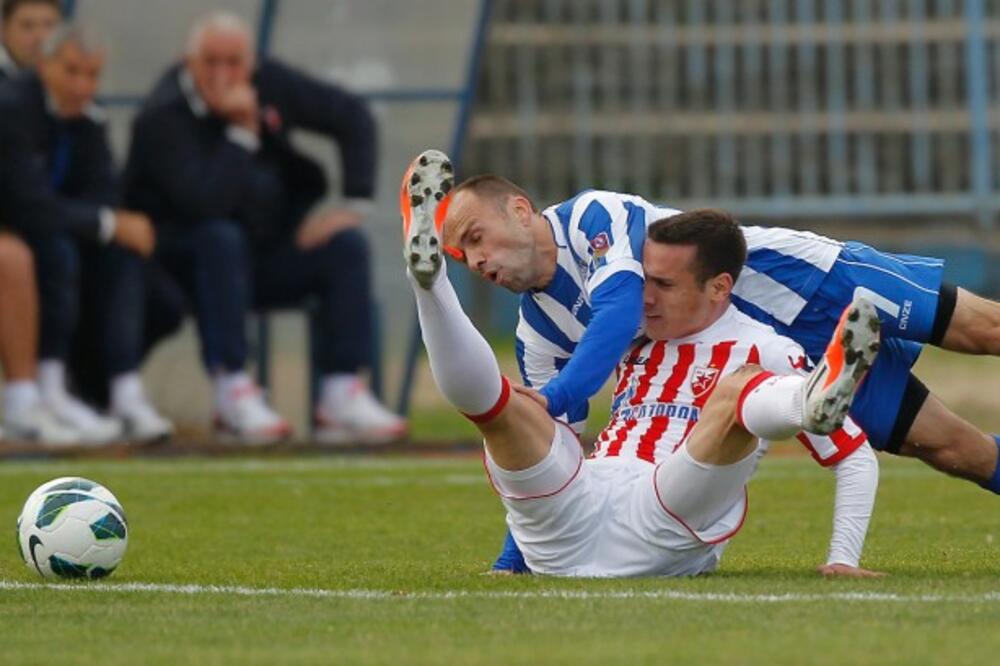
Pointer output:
494, 188
719, 242
497, 230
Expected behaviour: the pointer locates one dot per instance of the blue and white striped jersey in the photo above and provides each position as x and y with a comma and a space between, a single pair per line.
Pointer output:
784, 269
599, 234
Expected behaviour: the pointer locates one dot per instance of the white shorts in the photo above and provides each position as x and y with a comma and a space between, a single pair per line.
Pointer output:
621, 517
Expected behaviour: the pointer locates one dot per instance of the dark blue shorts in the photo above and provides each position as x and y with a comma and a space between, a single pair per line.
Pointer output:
905, 289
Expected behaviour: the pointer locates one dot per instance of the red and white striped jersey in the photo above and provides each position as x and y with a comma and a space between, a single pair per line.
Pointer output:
662, 386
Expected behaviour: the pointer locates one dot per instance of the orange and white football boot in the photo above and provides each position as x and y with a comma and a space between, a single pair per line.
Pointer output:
830, 388
423, 201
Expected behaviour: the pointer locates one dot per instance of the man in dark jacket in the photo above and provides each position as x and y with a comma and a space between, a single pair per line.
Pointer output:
235, 207
24, 25
63, 193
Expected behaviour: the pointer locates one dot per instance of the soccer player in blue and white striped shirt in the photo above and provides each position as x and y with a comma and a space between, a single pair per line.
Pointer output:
578, 267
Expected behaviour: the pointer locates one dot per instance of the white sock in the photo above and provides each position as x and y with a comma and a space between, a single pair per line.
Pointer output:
772, 409
462, 362
52, 378
337, 387
226, 383
126, 390
20, 396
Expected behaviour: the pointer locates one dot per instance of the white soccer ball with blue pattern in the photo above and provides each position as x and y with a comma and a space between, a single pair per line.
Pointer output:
72, 528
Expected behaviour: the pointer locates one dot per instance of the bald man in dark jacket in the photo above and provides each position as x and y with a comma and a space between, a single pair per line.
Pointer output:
235, 206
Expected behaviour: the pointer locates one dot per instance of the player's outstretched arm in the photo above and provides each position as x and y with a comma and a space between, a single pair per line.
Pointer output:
617, 313
857, 483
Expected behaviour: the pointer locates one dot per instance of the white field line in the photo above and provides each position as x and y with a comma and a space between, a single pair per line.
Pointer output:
424, 469
448, 595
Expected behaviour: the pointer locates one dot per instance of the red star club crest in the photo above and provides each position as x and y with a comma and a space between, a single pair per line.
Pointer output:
703, 380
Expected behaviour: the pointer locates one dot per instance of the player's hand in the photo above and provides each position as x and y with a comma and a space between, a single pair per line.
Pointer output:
135, 232
533, 394
847, 571
238, 104
319, 227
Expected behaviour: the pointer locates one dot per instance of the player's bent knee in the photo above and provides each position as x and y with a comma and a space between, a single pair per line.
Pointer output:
558, 464
519, 435
15, 257
731, 386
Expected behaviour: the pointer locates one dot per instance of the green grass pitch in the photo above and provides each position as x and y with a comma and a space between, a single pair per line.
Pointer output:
363, 560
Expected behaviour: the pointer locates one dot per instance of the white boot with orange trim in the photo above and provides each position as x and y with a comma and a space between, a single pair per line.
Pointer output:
852, 350
423, 203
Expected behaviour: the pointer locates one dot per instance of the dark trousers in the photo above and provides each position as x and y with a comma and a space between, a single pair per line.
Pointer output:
108, 280
154, 303
225, 275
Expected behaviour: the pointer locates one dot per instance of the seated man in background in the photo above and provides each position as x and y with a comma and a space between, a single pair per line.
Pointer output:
665, 489
235, 207
61, 202
24, 25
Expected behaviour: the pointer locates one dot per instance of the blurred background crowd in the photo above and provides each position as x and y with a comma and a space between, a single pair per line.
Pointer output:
172, 167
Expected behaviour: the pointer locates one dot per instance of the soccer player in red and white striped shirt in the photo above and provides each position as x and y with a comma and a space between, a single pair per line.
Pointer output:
694, 408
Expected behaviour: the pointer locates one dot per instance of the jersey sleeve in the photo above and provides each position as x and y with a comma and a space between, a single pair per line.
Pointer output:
830, 449
857, 484
782, 356
606, 233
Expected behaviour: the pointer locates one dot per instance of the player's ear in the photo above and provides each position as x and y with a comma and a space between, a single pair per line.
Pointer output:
721, 286
520, 208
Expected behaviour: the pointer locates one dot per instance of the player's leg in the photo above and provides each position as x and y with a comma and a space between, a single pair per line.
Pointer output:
518, 432
949, 443
18, 310
705, 479
915, 307
973, 326
534, 465
914, 301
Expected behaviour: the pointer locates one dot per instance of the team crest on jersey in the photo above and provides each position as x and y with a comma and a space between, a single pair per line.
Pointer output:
800, 363
600, 244
703, 380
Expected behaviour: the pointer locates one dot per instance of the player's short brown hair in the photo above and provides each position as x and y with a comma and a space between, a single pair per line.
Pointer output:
494, 187
721, 247
11, 6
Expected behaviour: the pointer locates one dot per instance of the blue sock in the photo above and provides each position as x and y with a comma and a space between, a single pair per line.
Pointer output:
993, 485
511, 558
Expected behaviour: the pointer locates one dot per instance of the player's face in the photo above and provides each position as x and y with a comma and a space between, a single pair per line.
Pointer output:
26, 30
495, 238
71, 78
222, 61
675, 303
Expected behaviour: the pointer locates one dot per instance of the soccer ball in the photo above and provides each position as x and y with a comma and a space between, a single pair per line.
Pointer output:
72, 528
